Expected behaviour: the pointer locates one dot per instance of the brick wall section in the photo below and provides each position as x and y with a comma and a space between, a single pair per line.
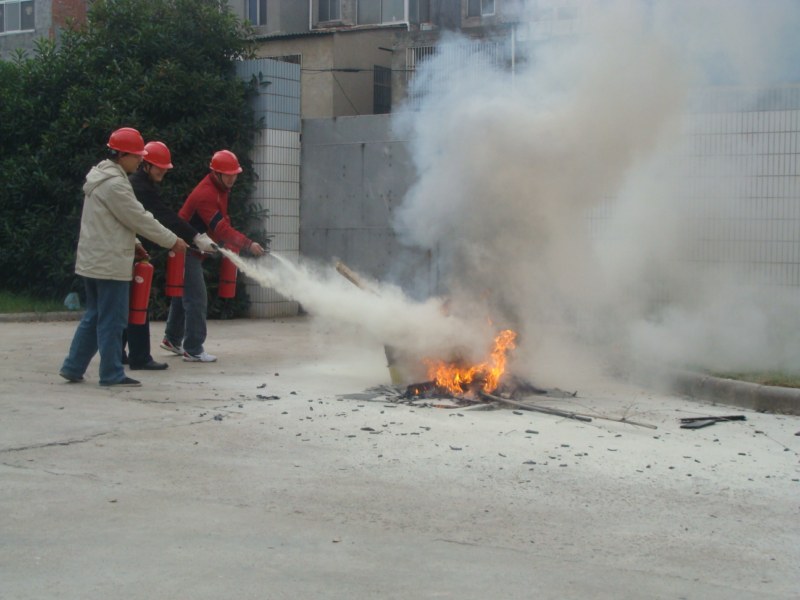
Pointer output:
65, 10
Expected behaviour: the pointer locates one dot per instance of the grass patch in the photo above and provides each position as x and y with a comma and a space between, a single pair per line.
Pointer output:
778, 378
21, 303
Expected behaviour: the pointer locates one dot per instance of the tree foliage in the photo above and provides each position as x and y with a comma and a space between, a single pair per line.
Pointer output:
165, 67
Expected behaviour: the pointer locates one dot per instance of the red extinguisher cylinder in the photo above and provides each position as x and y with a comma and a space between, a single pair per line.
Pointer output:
140, 292
176, 262
227, 278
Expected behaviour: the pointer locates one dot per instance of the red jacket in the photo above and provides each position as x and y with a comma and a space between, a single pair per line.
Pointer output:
206, 209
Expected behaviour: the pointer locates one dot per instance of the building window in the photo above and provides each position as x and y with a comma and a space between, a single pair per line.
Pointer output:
329, 10
16, 15
480, 8
380, 11
257, 12
382, 90
419, 11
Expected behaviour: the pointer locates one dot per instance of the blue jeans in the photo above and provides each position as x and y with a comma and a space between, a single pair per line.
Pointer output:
100, 329
186, 323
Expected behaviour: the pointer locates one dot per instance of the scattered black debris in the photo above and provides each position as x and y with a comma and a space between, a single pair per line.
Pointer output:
700, 422
218, 417
262, 386
454, 448
263, 397
514, 394
725, 418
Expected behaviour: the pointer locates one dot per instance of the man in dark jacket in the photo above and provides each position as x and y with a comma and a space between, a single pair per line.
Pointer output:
145, 185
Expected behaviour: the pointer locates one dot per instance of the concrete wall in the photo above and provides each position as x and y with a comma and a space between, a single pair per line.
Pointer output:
337, 76
315, 53
355, 174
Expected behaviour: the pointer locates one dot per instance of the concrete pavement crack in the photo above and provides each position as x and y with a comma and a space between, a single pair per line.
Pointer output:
60, 443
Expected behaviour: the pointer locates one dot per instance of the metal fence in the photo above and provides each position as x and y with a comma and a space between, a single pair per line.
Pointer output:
744, 180
276, 160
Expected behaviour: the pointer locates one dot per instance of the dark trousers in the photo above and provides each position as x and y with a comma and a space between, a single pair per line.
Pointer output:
138, 339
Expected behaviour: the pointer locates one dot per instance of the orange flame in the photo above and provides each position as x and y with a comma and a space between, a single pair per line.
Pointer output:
457, 378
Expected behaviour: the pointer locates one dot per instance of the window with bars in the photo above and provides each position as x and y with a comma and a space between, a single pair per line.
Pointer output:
295, 59
480, 8
16, 15
382, 90
329, 10
257, 12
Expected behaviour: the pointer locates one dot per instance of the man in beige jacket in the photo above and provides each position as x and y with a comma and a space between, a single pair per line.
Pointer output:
111, 219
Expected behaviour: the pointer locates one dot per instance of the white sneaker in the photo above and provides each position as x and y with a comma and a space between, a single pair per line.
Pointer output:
202, 357
167, 345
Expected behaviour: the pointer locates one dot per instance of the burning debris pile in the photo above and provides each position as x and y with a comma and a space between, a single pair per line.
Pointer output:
459, 383
470, 383
456, 384
460, 378
485, 384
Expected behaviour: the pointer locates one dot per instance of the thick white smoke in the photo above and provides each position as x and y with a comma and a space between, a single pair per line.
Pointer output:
554, 198
376, 311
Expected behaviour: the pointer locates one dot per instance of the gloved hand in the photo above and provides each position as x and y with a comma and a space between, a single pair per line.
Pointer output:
204, 243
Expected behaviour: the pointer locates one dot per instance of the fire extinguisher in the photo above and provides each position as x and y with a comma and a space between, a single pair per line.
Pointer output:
140, 292
176, 261
227, 278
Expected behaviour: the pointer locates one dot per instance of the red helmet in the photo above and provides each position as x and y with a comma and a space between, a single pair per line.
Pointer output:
128, 140
225, 162
158, 155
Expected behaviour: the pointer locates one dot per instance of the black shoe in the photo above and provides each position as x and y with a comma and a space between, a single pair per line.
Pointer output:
71, 378
127, 382
150, 366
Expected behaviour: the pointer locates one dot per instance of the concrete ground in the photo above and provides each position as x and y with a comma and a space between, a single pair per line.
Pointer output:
267, 475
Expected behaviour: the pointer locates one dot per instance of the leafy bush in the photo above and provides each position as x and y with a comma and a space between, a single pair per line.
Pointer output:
164, 67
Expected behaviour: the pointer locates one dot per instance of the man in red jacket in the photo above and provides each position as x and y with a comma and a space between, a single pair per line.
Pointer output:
206, 209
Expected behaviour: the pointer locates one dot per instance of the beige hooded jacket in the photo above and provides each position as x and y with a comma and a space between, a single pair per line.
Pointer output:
111, 218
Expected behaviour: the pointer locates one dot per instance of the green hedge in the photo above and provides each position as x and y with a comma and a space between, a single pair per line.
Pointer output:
164, 67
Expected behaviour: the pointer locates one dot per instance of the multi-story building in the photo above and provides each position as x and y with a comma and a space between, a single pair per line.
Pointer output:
356, 56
